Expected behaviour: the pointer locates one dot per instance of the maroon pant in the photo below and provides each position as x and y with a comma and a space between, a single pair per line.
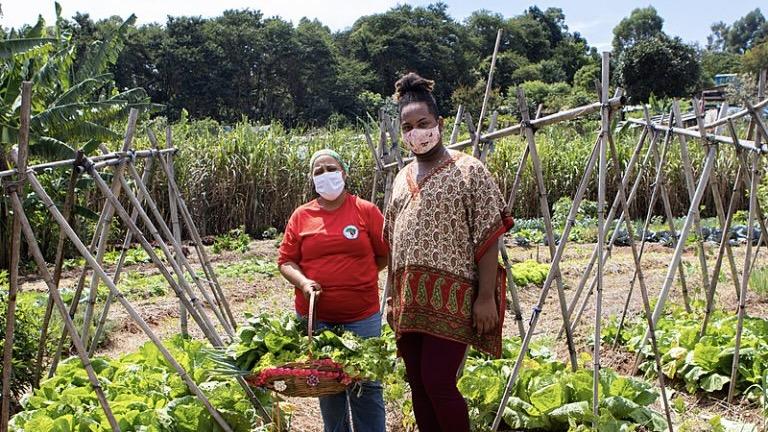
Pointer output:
431, 364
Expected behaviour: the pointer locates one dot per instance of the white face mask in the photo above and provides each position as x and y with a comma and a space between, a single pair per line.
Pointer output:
329, 185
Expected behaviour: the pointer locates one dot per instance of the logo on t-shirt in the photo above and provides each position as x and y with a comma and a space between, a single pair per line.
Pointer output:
351, 232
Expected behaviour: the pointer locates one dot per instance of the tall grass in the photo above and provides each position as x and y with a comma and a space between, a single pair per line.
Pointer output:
256, 175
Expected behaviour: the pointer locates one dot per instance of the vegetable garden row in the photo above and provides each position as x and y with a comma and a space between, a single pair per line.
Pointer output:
146, 394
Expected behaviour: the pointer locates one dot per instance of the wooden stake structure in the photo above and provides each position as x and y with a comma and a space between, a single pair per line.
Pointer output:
753, 206
119, 267
38, 188
13, 288
388, 160
108, 212
21, 223
601, 230
69, 202
174, 209
476, 152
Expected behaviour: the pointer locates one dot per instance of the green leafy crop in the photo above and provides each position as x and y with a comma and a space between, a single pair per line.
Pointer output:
704, 364
144, 392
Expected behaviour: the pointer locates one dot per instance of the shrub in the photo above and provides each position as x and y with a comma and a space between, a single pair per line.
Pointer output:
30, 308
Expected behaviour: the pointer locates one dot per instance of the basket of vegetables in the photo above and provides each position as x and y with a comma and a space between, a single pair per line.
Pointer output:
274, 353
309, 378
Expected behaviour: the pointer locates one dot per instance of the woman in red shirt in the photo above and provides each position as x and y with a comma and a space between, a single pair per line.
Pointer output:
334, 246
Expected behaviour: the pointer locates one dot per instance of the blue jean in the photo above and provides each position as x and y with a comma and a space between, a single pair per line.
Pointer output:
366, 399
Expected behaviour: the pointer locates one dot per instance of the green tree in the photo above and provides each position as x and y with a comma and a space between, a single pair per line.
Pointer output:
640, 25
422, 39
716, 62
553, 96
716, 39
743, 34
586, 76
747, 32
756, 59
662, 66
75, 104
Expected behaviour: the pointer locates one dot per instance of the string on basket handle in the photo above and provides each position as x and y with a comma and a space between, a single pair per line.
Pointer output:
311, 319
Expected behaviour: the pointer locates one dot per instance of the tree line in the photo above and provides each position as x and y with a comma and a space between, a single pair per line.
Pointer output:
245, 64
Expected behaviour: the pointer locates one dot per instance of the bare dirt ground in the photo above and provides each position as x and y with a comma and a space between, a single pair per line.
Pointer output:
264, 293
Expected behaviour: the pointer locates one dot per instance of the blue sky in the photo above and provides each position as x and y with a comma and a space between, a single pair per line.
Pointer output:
594, 19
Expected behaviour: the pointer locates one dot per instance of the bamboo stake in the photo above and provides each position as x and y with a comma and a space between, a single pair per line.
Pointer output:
383, 149
544, 205
166, 232
76, 297
183, 315
210, 274
519, 173
388, 126
145, 177
69, 202
745, 279
703, 181
721, 249
13, 288
601, 229
488, 87
611, 215
688, 173
489, 146
456, 125
376, 159
70, 162
643, 288
744, 144
192, 228
761, 84
38, 188
53, 293
102, 247
659, 190
221, 302
722, 216
735, 116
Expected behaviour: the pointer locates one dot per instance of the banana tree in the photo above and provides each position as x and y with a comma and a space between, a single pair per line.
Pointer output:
75, 104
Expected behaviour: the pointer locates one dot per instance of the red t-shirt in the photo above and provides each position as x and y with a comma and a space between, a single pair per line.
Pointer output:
337, 249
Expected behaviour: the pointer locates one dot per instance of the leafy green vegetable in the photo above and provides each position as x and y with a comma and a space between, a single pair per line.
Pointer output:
268, 341
234, 240
704, 364
144, 392
529, 272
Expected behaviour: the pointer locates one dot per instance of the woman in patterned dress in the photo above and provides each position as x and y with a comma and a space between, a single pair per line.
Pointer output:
443, 224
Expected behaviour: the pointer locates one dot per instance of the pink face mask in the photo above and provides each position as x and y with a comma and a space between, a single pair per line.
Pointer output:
421, 141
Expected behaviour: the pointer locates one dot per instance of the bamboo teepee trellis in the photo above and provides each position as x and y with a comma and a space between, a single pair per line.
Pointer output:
655, 160
202, 296
198, 299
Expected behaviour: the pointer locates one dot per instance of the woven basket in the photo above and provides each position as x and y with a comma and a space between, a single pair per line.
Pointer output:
313, 378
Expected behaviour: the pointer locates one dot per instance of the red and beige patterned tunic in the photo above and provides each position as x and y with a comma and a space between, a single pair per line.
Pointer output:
438, 228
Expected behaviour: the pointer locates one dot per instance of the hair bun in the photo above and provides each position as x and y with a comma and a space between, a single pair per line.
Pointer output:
411, 83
